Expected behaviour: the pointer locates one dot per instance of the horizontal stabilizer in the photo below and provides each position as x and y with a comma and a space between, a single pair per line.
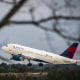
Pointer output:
77, 60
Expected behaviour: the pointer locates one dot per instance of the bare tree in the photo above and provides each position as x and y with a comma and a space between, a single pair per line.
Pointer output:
11, 12
54, 6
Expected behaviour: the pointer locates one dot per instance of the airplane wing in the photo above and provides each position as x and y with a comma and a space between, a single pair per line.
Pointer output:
34, 58
28, 56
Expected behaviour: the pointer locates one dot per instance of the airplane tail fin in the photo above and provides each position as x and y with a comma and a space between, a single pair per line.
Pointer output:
69, 53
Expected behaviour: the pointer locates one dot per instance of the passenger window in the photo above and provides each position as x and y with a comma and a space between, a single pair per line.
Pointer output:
6, 45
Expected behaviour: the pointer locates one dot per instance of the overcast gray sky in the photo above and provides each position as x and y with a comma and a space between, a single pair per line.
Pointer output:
32, 36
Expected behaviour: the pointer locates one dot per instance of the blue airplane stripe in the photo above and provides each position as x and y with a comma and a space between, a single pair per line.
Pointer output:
64, 54
38, 60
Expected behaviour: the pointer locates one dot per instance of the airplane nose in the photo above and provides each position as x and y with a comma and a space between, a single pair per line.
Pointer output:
3, 48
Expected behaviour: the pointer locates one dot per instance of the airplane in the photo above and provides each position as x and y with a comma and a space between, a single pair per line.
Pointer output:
19, 53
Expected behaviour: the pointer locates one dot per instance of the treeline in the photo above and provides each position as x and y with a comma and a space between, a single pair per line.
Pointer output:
9, 77
65, 74
55, 73
16, 68
13, 77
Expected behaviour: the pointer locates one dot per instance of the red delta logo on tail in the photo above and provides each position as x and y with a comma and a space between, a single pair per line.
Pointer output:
69, 53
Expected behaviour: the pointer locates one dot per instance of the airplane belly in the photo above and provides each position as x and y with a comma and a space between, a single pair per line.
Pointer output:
44, 58
55, 60
64, 61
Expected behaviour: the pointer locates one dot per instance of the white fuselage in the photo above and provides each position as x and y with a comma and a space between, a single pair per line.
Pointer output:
37, 54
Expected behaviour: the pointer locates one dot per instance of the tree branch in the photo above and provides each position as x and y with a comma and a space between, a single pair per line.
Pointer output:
11, 13
37, 24
58, 32
3, 1
46, 19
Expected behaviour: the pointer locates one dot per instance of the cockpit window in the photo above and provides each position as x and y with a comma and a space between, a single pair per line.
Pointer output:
6, 45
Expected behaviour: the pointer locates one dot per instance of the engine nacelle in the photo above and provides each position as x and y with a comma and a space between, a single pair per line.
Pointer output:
17, 57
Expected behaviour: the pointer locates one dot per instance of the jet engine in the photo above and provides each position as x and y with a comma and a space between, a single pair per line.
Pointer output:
17, 57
